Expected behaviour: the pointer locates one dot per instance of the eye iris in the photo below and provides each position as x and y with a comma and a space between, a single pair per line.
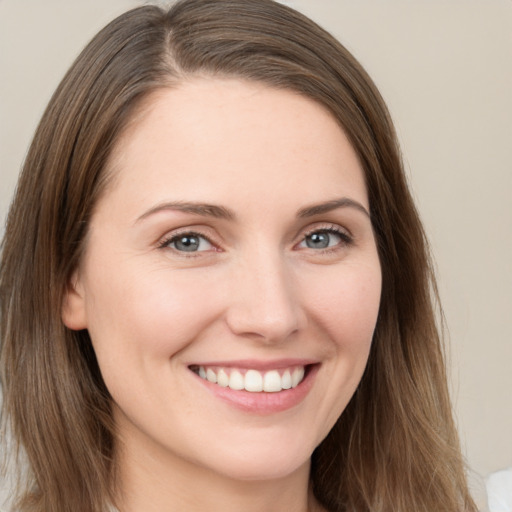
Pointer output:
187, 243
318, 240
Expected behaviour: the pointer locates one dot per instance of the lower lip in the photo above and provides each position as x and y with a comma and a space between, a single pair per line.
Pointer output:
264, 402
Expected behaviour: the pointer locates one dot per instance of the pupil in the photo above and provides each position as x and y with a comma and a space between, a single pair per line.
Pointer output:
187, 243
318, 240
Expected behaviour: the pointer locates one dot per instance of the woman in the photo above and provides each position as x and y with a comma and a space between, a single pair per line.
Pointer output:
215, 287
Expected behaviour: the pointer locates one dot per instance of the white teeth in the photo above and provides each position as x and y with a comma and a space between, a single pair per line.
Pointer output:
286, 381
211, 375
236, 380
272, 382
297, 376
222, 379
253, 381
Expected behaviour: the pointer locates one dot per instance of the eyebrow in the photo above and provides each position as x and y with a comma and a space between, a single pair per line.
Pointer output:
202, 209
344, 202
221, 212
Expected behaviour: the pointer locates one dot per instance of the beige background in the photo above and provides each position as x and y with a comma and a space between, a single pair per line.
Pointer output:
445, 70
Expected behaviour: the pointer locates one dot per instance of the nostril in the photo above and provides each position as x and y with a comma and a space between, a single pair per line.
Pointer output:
266, 326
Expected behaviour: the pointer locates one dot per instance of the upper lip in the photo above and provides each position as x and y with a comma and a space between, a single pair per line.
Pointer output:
258, 364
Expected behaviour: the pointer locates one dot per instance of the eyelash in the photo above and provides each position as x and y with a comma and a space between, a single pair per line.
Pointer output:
174, 237
346, 240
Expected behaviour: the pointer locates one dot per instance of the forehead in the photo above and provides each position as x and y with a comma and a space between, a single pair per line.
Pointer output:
206, 134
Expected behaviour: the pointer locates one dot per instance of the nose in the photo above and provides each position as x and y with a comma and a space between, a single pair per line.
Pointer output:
263, 302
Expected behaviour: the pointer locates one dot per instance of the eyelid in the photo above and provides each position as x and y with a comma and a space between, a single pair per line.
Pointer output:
342, 232
164, 242
325, 226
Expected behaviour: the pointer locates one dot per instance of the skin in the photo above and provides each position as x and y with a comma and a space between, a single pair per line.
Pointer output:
254, 290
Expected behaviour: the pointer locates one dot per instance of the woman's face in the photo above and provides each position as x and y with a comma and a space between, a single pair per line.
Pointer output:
233, 245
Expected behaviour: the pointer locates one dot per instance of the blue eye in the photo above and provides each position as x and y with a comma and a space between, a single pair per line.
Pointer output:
188, 242
324, 239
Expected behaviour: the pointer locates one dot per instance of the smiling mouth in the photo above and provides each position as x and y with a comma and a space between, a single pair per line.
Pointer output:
254, 381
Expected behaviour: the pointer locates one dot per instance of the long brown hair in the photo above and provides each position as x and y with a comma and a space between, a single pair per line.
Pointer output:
395, 447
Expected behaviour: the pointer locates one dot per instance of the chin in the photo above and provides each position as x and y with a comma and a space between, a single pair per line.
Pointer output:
264, 464
264, 471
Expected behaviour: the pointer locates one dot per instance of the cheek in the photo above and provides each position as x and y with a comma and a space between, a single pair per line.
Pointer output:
144, 313
346, 304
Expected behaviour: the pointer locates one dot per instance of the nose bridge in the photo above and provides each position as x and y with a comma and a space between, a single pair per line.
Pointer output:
263, 302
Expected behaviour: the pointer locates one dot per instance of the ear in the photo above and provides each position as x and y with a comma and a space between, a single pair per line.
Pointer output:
73, 311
